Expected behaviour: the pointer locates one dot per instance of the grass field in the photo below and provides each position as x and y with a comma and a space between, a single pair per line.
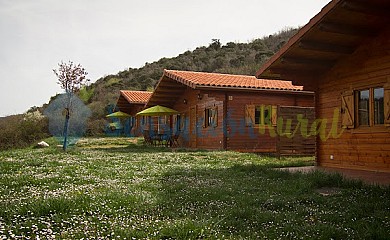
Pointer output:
119, 189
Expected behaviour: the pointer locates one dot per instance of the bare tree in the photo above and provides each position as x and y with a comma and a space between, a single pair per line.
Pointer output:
71, 77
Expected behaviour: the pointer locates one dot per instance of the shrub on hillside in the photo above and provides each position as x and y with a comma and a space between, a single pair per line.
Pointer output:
22, 130
95, 128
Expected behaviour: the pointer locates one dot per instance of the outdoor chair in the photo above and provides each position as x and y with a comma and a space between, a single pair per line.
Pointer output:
155, 138
147, 138
174, 139
166, 139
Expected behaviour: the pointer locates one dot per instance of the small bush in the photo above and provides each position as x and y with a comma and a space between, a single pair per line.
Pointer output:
22, 130
95, 128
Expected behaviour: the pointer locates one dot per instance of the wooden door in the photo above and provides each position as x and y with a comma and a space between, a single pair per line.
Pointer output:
296, 143
193, 127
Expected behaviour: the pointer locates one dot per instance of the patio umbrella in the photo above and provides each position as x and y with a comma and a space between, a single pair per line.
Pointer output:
118, 114
157, 111
115, 125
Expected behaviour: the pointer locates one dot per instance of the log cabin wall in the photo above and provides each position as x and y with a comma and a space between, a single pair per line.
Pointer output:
137, 129
132, 109
210, 137
198, 135
297, 139
358, 147
241, 137
182, 105
230, 131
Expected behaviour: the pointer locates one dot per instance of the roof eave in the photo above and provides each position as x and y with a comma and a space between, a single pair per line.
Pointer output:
122, 93
266, 90
294, 40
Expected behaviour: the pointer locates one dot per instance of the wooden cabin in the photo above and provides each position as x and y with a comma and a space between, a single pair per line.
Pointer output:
343, 54
233, 112
132, 102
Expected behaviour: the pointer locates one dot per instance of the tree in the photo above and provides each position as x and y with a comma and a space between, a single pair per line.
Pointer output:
215, 44
71, 78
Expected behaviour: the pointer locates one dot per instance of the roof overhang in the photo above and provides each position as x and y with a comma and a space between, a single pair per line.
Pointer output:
170, 87
329, 37
125, 106
166, 92
128, 105
263, 90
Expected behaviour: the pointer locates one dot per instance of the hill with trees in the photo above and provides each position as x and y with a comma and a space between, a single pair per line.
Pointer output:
101, 96
232, 58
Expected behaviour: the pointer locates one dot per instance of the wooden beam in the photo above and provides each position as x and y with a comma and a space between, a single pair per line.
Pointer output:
347, 29
289, 73
270, 75
169, 90
171, 84
367, 8
167, 95
318, 63
326, 47
165, 103
170, 96
164, 98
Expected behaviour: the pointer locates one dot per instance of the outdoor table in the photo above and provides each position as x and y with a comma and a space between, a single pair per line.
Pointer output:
165, 137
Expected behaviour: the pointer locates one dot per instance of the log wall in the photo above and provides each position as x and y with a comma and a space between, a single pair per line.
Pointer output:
254, 139
357, 147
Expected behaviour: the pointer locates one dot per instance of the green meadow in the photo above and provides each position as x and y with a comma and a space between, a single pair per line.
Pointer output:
118, 188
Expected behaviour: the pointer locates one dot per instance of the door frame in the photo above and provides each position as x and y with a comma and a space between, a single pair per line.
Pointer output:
193, 127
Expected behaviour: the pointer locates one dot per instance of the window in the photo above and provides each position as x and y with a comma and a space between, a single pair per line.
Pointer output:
263, 115
143, 120
364, 107
180, 122
132, 122
370, 106
379, 107
260, 115
210, 117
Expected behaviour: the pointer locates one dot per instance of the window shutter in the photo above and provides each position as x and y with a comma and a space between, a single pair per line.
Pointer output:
249, 115
182, 121
205, 117
214, 118
386, 99
347, 110
274, 115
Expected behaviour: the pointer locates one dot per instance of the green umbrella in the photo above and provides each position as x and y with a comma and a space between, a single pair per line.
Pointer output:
115, 125
157, 111
118, 115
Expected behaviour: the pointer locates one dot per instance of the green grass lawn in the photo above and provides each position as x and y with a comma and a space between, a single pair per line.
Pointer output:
119, 189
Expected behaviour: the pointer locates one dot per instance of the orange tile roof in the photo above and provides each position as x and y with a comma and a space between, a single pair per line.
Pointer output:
196, 79
141, 97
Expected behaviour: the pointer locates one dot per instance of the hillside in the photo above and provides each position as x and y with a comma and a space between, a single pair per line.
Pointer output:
233, 58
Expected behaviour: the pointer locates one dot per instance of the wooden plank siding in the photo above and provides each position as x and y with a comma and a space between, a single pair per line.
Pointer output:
210, 137
296, 143
360, 147
230, 132
252, 139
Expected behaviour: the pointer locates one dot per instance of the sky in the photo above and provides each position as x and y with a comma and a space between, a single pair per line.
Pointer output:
106, 37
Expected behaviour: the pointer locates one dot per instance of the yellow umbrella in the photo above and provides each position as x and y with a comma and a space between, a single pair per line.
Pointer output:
157, 111
118, 114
